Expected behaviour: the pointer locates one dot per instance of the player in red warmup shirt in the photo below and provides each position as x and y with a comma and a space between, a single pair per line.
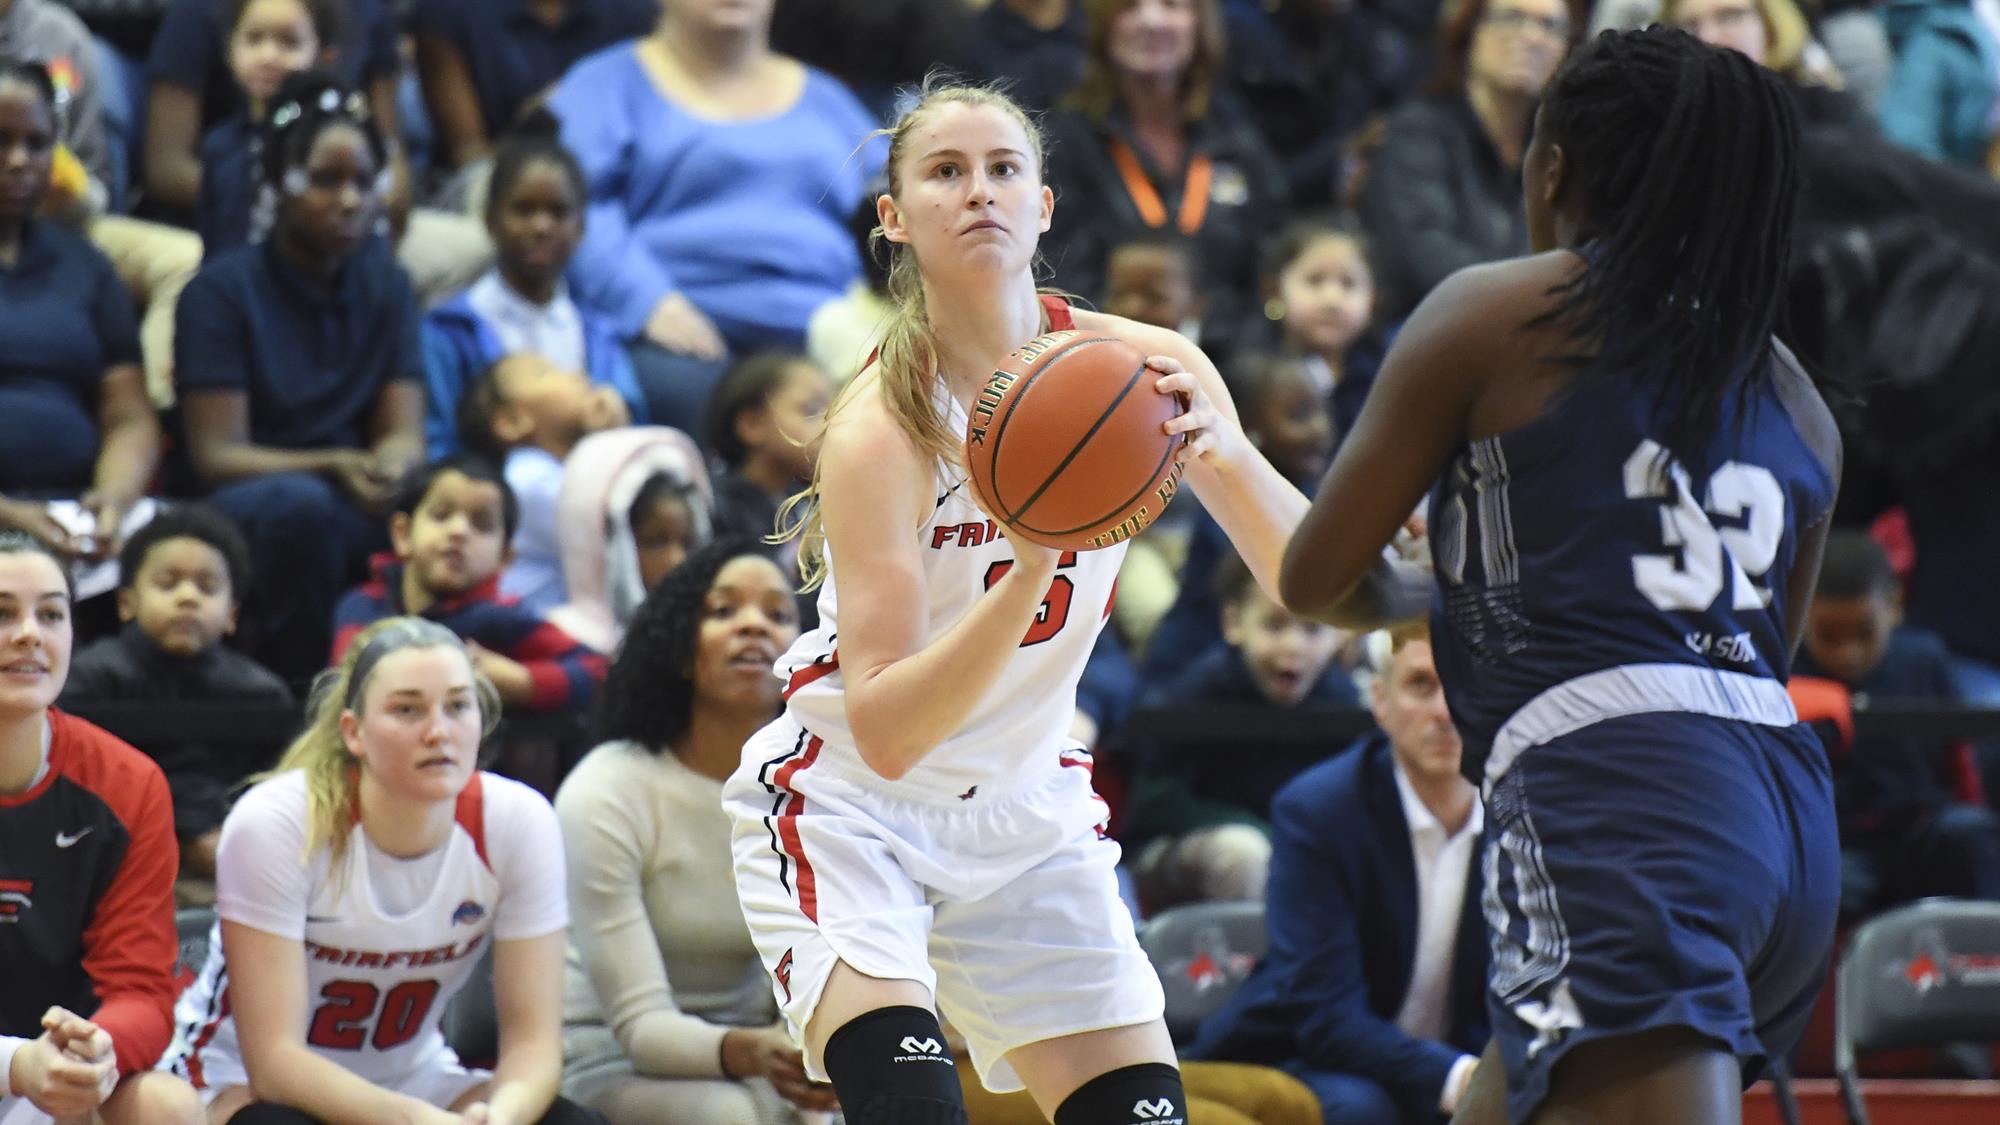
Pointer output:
917, 833
87, 862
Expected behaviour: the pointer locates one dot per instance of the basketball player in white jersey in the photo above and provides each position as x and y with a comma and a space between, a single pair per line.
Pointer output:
917, 832
357, 887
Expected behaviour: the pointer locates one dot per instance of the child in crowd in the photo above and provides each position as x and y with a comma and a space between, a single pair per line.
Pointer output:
359, 886
1200, 811
300, 375
534, 213
634, 503
1291, 422
1320, 292
1154, 279
763, 426
1902, 835
450, 531
268, 41
179, 583
527, 414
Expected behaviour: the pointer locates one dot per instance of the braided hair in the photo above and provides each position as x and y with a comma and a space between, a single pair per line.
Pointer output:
308, 103
1683, 161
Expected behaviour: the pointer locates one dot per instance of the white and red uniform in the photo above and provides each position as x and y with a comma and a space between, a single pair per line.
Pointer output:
983, 872
388, 941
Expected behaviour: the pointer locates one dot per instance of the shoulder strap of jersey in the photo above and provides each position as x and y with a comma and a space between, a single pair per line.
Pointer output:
471, 816
1060, 319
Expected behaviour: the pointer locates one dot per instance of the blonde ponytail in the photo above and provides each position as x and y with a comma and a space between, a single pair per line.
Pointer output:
332, 773
906, 361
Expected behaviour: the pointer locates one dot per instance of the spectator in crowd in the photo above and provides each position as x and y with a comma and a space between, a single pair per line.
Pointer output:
1287, 415
214, 61
1319, 291
154, 260
1444, 189
450, 532
634, 503
763, 427
669, 1014
1311, 73
526, 415
358, 886
843, 332
299, 370
1374, 987
1855, 175
482, 65
74, 418
268, 41
1034, 46
534, 213
1201, 811
1903, 836
1155, 278
1944, 98
721, 175
180, 579
88, 940
1150, 141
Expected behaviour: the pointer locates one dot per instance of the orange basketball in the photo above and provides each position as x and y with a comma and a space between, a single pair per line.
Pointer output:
1064, 443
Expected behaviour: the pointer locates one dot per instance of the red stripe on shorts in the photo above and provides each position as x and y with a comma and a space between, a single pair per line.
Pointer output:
788, 829
811, 672
207, 1033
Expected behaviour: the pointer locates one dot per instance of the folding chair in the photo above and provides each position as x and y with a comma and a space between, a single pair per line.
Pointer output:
1919, 976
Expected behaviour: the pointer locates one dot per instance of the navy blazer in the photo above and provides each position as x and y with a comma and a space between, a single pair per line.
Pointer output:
1342, 914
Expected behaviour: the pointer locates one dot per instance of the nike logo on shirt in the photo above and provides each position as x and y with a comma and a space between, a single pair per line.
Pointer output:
64, 839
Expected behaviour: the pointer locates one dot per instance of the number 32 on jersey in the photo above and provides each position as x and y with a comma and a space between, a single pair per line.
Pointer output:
1710, 557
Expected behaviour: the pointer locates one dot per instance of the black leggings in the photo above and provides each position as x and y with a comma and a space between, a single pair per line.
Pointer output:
562, 1112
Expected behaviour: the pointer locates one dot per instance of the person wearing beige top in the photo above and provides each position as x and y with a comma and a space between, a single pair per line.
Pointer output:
668, 1015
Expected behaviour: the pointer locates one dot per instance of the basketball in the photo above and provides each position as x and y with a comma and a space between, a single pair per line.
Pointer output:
1064, 445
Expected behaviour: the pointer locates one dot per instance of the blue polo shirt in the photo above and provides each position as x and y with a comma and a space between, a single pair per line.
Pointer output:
191, 49
513, 56
65, 320
228, 186
312, 360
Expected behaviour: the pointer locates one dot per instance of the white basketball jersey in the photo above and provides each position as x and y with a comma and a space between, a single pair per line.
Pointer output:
1022, 721
376, 982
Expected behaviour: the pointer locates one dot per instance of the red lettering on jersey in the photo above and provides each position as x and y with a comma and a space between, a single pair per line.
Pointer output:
972, 534
368, 961
941, 535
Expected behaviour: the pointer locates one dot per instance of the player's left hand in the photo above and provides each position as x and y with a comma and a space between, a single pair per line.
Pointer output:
1203, 429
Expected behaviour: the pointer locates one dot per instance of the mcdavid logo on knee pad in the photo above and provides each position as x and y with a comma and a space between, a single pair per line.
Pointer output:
1159, 1112
926, 1049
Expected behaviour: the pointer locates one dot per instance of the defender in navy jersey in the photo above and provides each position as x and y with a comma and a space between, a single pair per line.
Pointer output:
1632, 481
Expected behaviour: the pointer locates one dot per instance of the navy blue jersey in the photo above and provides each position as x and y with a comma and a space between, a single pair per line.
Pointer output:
1582, 573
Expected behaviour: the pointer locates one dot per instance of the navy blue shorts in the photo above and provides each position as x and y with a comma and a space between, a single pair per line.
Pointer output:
1660, 870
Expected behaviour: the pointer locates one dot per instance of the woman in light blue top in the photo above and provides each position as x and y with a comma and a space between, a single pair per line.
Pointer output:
720, 176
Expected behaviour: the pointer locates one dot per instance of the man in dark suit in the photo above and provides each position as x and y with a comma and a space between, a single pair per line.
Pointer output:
1373, 992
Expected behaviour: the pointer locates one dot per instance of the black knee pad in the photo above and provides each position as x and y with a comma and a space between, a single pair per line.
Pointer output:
891, 1067
264, 1113
1141, 1094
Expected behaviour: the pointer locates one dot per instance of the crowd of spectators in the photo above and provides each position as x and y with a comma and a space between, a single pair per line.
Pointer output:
319, 312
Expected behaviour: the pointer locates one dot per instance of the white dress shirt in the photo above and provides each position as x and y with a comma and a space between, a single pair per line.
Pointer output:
553, 331
1443, 864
